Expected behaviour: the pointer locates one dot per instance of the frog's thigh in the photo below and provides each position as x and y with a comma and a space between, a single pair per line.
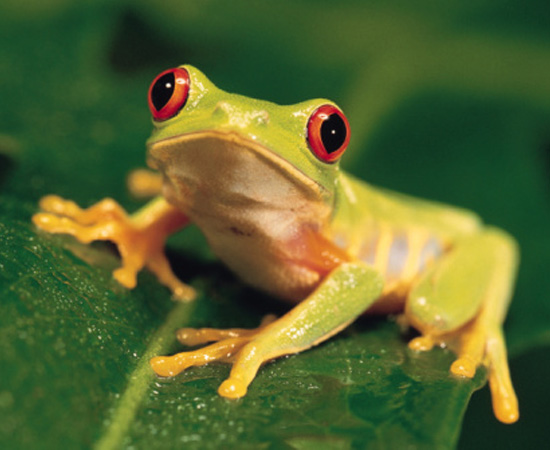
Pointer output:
474, 281
342, 296
479, 270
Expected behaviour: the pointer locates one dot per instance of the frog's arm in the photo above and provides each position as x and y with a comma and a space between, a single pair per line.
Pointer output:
343, 294
140, 237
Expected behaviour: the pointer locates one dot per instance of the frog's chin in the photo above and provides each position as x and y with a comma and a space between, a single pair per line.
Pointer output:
204, 168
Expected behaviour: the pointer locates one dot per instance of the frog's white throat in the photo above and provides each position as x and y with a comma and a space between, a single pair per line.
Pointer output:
249, 203
217, 173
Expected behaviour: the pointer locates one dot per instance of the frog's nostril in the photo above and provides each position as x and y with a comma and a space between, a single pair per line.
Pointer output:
261, 117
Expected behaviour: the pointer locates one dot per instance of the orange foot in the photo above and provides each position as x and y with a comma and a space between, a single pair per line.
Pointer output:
482, 344
140, 238
479, 345
226, 347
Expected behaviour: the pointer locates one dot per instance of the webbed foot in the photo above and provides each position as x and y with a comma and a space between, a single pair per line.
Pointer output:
140, 238
228, 345
482, 345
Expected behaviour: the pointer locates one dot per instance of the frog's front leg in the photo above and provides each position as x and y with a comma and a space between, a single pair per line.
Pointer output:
140, 237
343, 295
463, 299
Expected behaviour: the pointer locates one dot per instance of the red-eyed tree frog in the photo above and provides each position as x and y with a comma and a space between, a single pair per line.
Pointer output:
263, 184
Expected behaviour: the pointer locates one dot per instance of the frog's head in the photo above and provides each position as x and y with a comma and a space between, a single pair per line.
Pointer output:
205, 138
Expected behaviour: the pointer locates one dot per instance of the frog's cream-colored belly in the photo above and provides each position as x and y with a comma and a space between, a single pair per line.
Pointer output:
258, 259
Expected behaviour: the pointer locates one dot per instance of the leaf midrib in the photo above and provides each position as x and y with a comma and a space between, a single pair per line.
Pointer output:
139, 380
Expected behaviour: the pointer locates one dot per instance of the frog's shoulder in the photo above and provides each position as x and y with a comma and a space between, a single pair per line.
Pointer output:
404, 210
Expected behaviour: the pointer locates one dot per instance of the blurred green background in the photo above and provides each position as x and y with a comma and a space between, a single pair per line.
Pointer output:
446, 100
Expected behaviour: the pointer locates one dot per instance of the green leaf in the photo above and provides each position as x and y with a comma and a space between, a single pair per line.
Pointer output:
83, 344
448, 102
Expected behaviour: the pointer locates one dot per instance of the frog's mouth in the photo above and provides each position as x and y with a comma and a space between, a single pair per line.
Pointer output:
229, 169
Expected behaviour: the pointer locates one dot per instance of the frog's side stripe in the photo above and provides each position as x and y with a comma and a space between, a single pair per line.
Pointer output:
369, 249
431, 250
399, 254
383, 248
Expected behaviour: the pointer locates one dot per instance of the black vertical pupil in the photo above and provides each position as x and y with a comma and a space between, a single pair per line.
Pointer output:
333, 132
162, 90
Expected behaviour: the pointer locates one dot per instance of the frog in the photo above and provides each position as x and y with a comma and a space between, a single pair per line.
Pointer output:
263, 183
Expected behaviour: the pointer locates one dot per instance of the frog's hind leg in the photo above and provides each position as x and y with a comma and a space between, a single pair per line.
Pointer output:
144, 183
463, 299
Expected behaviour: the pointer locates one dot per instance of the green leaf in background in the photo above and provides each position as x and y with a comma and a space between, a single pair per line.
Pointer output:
446, 101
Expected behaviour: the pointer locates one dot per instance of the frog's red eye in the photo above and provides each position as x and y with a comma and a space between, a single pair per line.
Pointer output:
168, 93
328, 133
